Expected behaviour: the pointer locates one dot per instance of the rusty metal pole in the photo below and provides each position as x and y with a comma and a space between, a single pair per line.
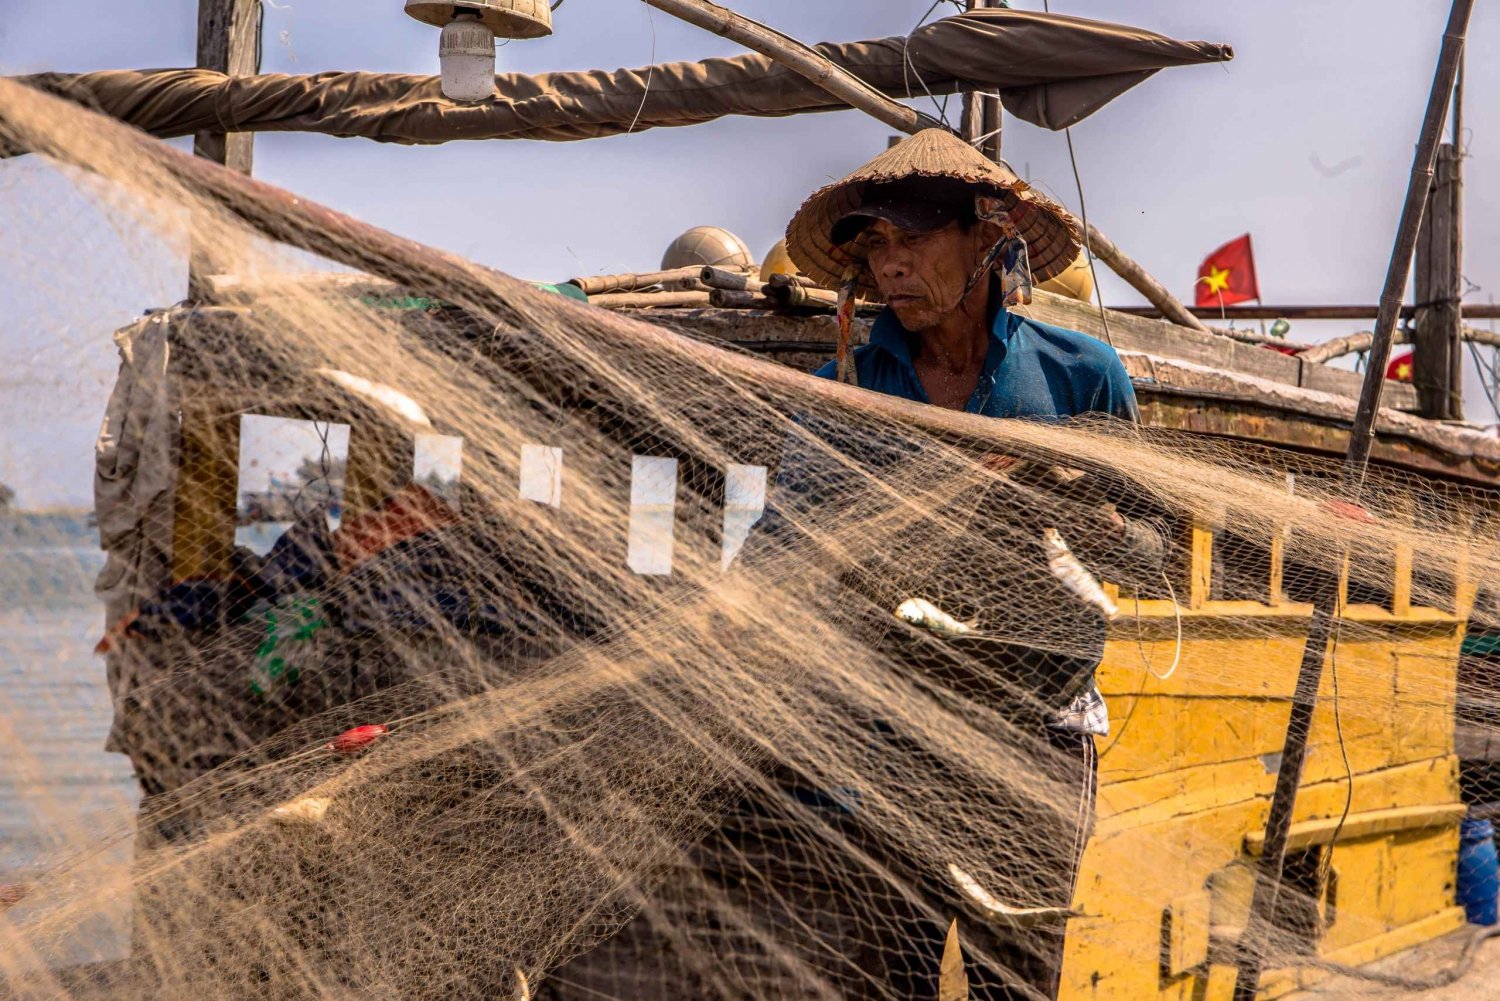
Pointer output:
1259, 928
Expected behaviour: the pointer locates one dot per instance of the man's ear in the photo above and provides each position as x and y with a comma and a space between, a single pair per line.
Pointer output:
988, 234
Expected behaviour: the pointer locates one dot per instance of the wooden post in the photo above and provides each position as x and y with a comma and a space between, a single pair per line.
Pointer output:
1200, 562
208, 475
982, 113
1276, 578
228, 41
1437, 358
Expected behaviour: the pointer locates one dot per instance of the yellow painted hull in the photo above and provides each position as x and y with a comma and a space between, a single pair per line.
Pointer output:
1186, 779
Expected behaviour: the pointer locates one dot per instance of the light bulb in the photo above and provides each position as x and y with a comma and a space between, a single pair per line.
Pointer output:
467, 54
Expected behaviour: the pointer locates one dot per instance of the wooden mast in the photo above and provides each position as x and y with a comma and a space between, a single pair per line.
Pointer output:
207, 498
229, 42
981, 120
1437, 356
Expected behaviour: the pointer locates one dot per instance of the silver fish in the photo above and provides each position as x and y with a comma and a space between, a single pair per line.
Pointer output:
1074, 575
924, 614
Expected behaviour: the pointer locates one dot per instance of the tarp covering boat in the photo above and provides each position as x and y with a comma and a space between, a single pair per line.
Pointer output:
1050, 70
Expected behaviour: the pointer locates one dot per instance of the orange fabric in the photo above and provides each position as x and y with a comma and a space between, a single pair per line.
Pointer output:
406, 514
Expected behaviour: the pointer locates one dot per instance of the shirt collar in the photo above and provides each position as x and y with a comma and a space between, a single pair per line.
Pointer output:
890, 336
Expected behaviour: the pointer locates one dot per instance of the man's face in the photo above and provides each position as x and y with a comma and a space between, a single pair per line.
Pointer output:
922, 275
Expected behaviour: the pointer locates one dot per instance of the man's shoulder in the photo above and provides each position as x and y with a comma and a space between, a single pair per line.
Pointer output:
1071, 346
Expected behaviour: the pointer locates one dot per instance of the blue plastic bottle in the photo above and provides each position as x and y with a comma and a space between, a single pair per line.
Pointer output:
1478, 872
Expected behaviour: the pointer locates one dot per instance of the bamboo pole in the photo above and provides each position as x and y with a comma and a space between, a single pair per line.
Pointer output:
779, 280
1349, 344
1437, 358
854, 92
630, 282
730, 281
723, 298
683, 285
981, 118
649, 300
1259, 930
803, 297
1470, 311
800, 58
1140, 279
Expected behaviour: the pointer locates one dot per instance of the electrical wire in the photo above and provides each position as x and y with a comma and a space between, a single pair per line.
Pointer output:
908, 69
1083, 214
1489, 378
650, 69
1088, 250
1325, 865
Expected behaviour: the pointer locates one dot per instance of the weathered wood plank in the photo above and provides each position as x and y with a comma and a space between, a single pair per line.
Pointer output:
1131, 332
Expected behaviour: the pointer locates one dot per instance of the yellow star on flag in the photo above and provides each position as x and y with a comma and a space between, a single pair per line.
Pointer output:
1403, 370
1217, 279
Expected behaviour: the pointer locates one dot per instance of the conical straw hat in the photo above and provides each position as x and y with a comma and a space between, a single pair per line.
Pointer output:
1051, 237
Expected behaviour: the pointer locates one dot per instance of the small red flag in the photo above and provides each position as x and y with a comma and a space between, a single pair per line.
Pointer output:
1227, 276
1400, 368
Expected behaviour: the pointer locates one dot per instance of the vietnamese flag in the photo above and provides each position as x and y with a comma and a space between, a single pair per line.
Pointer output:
1227, 276
1400, 368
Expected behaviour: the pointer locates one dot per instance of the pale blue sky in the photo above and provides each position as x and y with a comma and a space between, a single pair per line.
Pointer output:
1189, 159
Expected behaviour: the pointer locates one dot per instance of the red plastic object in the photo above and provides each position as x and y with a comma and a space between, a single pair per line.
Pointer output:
354, 740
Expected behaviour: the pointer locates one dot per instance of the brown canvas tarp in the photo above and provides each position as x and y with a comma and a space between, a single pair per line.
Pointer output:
1051, 70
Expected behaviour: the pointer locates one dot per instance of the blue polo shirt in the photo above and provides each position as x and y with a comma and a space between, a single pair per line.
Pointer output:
1032, 370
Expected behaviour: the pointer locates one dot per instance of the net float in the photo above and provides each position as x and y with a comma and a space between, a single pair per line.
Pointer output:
356, 739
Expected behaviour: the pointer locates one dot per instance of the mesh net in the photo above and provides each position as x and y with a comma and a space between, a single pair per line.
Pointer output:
705, 679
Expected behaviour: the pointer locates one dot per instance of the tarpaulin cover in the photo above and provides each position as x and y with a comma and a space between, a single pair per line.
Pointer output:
1050, 70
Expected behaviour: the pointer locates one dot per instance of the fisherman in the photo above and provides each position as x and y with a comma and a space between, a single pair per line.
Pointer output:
943, 235
799, 890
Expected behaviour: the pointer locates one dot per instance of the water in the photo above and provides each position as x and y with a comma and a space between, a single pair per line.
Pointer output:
61, 795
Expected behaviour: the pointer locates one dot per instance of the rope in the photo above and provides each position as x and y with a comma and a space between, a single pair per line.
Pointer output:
1449, 976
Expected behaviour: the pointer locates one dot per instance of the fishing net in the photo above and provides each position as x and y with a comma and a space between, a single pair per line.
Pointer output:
701, 678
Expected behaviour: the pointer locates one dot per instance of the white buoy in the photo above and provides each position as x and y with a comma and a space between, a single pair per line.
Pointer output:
467, 54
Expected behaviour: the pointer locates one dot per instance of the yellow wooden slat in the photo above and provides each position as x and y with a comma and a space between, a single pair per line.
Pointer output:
207, 493
1200, 564
1362, 825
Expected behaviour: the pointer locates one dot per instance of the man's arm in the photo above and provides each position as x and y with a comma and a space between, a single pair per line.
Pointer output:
1130, 545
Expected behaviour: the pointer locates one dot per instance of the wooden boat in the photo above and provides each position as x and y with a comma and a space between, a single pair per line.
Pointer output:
1192, 759
1198, 675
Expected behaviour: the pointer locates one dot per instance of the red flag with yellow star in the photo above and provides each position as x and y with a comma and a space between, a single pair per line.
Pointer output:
1227, 276
1400, 368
